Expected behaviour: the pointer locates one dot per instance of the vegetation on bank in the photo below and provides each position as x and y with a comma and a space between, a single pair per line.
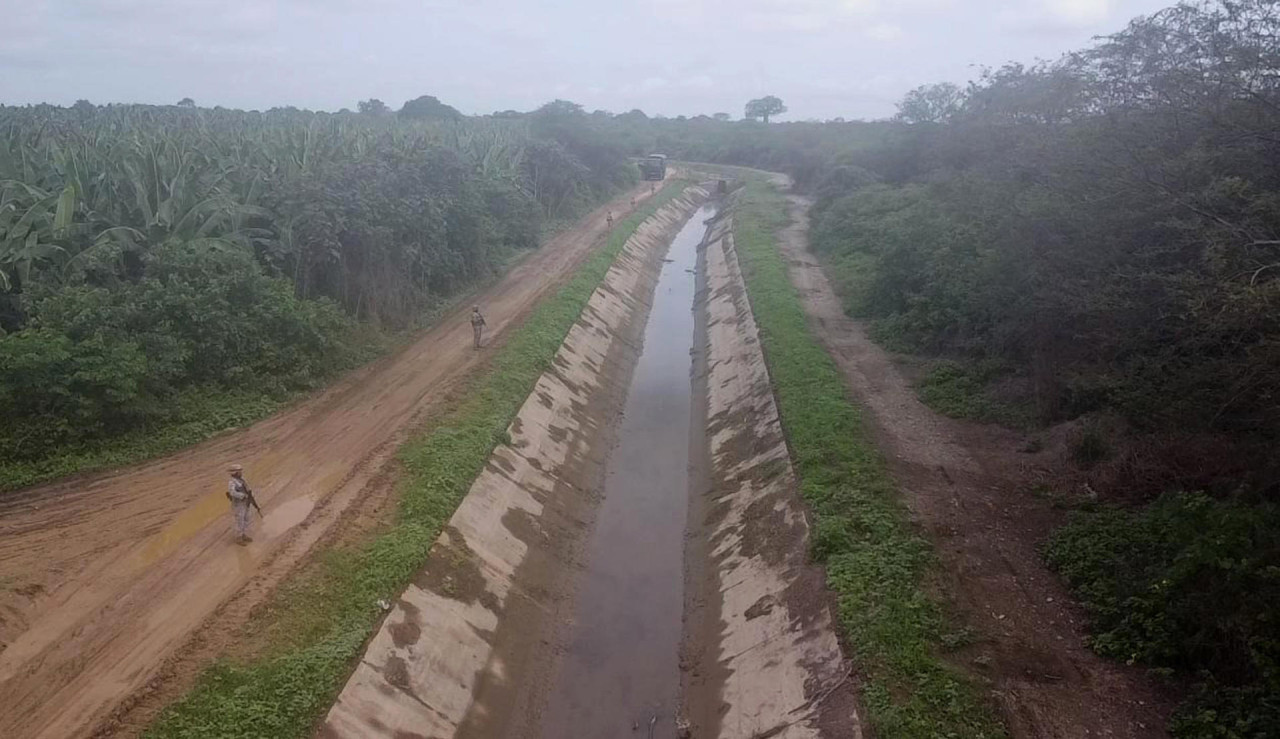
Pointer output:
1189, 584
963, 390
167, 272
318, 622
876, 565
1096, 240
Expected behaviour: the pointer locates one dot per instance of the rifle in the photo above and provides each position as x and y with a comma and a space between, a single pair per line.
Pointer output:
253, 501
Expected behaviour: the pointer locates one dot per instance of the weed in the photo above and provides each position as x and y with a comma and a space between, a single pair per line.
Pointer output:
875, 564
320, 622
1188, 583
961, 390
1090, 446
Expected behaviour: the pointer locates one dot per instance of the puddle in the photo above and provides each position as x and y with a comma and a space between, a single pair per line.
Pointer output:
279, 519
620, 672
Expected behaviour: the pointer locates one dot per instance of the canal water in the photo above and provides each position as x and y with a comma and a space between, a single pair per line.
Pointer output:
620, 674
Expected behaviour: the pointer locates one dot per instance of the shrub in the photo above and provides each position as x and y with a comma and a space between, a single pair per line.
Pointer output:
1192, 584
97, 360
1090, 445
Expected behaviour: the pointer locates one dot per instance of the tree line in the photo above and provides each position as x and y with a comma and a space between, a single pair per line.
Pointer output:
152, 252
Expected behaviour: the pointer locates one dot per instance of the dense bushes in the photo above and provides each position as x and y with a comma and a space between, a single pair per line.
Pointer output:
96, 360
1107, 229
1107, 225
1188, 583
152, 254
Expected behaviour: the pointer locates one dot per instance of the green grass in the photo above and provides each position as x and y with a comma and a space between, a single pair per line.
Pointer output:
878, 567
962, 390
197, 415
1188, 586
318, 623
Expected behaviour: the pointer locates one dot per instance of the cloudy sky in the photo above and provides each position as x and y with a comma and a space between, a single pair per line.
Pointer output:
825, 58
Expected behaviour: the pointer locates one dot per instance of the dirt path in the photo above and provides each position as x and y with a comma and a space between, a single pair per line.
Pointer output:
961, 481
107, 575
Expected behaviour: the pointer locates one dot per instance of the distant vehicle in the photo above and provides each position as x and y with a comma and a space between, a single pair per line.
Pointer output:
654, 167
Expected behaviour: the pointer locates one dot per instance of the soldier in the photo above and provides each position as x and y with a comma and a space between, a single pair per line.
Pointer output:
241, 498
610, 219
477, 325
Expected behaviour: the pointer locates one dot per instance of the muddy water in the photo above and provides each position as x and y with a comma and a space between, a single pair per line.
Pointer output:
620, 672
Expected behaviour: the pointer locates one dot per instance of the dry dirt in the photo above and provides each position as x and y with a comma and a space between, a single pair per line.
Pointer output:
111, 575
965, 485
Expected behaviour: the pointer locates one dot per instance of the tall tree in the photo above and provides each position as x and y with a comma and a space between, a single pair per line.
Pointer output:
373, 106
765, 107
429, 106
936, 103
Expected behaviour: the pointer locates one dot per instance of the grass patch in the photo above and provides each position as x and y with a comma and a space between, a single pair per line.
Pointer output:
876, 564
319, 622
196, 415
962, 390
1186, 584
1090, 446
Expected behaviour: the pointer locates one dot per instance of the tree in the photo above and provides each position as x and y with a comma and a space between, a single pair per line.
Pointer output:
186, 103
83, 107
765, 107
373, 106
428, 107
936, 103
560, 108
721, 116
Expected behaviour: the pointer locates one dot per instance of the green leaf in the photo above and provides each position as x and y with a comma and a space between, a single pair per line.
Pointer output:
65, 210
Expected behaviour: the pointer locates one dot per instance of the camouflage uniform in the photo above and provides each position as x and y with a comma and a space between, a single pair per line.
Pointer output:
238, 492
477, 325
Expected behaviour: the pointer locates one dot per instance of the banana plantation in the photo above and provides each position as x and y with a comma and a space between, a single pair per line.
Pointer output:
151, 255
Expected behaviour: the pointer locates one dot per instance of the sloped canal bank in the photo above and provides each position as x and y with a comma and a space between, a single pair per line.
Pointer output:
570, 595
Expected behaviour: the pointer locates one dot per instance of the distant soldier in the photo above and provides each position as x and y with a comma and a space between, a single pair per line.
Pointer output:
610, 219
633, 201
241, 498
477, 325
653, 189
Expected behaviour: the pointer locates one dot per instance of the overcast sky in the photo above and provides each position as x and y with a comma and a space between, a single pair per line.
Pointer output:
825, 58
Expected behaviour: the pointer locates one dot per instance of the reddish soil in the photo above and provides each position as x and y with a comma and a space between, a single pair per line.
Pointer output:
112, 577
969, 490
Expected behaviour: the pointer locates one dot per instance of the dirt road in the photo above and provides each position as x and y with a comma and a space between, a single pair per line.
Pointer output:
105, 576
961, 482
